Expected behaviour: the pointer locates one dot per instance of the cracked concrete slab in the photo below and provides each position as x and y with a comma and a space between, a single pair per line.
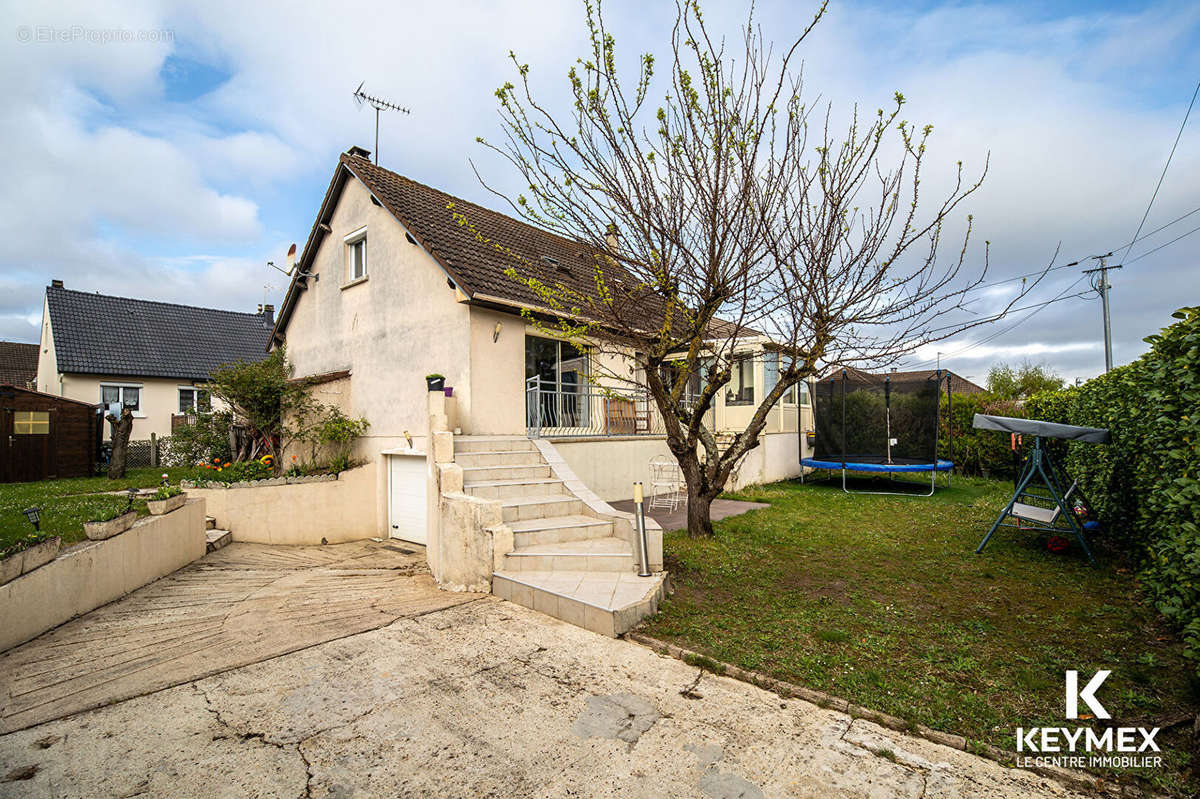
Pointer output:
241, 604
477, 700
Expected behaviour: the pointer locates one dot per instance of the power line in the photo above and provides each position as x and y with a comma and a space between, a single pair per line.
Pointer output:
1157, 230
1159, 247
1033, 310
1166, 166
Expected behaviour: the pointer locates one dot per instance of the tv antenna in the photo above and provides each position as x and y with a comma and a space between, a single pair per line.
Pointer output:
379, 105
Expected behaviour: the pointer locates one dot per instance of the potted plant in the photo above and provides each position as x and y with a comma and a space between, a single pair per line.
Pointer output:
435, 382
166, 499
26, 554
114, 522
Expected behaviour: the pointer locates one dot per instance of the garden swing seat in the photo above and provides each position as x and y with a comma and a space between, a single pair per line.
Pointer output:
1039, 471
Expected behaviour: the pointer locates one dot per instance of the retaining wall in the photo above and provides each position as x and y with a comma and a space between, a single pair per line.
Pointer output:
95, 573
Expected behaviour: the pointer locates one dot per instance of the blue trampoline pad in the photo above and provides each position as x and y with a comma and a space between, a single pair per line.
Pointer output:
940, 466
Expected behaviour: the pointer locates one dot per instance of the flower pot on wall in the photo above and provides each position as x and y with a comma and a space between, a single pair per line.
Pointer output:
160, 506
449, 391
98, 531
40, 554
437, 383
10, 567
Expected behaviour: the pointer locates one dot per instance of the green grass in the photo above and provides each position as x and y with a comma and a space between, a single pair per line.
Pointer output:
67, 504
882, 601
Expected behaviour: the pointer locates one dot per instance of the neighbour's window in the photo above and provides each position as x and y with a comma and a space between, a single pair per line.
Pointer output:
128, 396
194, 400
356, 256
741, 388
31, 423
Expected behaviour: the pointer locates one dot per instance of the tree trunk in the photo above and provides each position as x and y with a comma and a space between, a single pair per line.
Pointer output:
121, 428
699, 520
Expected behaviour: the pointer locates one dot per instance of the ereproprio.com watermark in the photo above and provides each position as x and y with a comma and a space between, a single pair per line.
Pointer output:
71, 34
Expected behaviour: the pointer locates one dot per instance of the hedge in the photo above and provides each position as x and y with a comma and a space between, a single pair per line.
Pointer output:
978, 452
1145, 485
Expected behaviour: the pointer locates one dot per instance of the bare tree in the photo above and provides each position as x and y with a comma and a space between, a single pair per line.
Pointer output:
736, 211
120, 428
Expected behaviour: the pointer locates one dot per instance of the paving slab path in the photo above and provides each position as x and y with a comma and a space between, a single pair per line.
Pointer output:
484, 699
239, 605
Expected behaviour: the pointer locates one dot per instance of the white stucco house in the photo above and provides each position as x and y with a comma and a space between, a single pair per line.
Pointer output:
390, 288
153, 357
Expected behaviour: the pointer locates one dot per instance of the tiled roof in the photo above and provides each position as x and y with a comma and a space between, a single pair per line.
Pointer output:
99, 334
18, 363
958, 383
475, 267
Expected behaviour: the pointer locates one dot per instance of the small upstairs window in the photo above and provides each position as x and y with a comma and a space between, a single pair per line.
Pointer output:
356, 256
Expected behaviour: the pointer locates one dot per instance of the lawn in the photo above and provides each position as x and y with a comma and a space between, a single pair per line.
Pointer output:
882, 601
67, 504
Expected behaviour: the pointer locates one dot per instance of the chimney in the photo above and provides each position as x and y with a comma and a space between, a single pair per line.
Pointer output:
56, 284
267, 312
360, 152
612, 237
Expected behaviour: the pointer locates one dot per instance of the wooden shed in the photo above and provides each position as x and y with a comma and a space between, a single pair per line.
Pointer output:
43, 436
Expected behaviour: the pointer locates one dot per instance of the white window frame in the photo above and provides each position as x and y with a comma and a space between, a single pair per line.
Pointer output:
141, 389
352, 242
196, 390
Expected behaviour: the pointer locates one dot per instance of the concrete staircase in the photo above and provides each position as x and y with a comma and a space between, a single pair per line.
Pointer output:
568, 560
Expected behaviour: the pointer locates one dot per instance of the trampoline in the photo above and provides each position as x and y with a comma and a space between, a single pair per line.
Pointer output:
877, 425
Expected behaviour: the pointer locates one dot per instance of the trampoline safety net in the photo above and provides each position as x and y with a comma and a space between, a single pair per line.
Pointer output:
856, 415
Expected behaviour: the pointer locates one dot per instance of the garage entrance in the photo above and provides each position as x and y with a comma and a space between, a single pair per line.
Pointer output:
408, 485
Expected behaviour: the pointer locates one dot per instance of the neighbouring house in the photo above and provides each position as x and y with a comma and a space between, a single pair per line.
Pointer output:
153, 357
390, 288
18, 364
43, 436
958, 383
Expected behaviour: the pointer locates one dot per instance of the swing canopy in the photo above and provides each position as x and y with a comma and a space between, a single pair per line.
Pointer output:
1035, 427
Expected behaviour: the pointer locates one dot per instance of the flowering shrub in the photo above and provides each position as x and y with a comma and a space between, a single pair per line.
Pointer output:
218, 471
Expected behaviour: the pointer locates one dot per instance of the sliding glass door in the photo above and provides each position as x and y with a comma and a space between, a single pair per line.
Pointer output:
561, 372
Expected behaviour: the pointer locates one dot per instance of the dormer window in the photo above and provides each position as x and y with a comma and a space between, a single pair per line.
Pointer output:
356, 255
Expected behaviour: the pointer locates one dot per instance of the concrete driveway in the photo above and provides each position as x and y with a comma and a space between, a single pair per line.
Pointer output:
482, 699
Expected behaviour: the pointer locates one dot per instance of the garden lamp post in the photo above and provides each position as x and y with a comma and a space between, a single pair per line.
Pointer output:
34, 515
132, 492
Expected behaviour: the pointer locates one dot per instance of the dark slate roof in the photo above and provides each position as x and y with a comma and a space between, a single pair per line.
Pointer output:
18, 363
98, 334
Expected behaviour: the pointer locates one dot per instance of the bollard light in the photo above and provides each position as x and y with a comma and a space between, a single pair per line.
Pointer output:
34, 515
640, 517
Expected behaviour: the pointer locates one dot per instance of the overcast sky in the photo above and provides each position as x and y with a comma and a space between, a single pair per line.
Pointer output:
166, 151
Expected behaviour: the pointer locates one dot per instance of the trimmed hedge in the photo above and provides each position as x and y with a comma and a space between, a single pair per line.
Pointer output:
978, 452
1146, 484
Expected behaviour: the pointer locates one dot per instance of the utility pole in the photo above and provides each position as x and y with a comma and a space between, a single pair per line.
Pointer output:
1102, 285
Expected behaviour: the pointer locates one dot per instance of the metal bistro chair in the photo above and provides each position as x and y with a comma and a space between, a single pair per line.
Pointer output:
666, 480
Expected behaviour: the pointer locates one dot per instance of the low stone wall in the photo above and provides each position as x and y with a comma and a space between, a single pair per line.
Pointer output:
300, 511
95, 573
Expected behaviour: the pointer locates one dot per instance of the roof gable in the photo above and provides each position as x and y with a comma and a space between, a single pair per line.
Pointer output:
99, 334
475, 267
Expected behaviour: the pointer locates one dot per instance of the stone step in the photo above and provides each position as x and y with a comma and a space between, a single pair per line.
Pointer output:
217, 538
479, 474
589, 555
506, 489
608, 603
501, 457
539, 507
492, 444
558, 529
210, 523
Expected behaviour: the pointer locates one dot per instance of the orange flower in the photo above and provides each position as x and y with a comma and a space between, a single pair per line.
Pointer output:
226, 464
216, 460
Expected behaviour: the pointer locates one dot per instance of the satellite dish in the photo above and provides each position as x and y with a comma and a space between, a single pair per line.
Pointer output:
291, 258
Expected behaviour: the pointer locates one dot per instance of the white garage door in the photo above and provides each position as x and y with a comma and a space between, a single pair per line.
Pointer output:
406, 497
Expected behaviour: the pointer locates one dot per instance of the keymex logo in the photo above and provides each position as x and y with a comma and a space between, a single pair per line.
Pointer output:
1087, 747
